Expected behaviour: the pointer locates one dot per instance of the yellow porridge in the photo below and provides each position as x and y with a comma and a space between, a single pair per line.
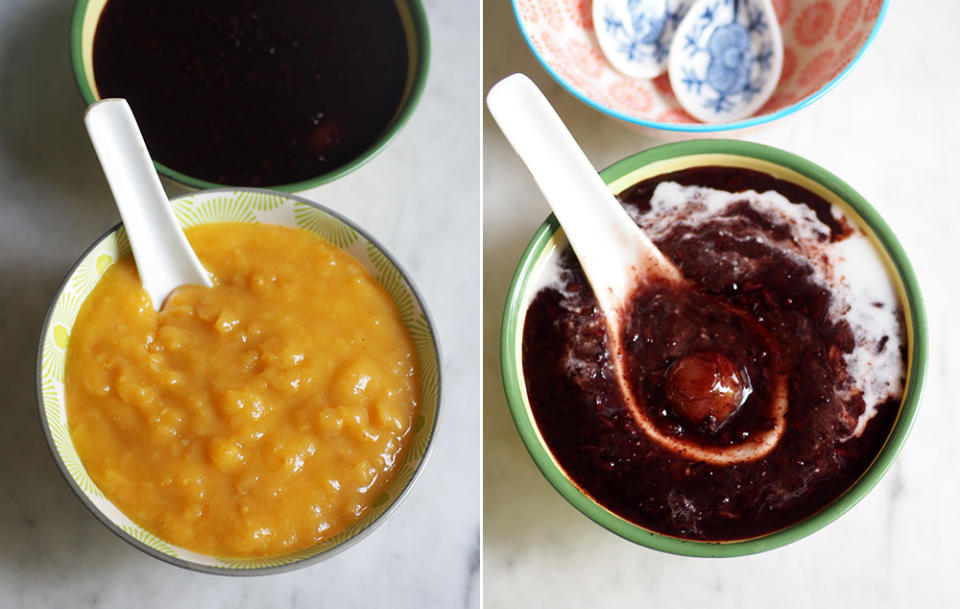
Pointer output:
253, 418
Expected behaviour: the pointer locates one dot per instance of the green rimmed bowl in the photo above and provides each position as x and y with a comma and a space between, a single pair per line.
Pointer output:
252, 206
86, 16
549, 238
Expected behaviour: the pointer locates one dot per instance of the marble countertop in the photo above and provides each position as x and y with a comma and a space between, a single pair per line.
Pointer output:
420, 201
886, 130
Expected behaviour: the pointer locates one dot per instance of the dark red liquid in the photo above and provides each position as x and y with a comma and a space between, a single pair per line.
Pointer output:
588, 428
251, 93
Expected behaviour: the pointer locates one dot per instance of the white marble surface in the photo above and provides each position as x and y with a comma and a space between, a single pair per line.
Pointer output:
419, 199
888, 130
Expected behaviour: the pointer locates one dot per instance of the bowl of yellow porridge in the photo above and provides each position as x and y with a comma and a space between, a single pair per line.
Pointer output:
256, 426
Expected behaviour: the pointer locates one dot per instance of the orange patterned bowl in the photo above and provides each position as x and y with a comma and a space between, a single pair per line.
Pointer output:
823, 40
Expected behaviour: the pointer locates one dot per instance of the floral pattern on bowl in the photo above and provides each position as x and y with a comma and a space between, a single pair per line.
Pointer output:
252, 206
822, 41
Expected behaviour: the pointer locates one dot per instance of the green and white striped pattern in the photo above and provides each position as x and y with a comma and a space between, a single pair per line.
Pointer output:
240, 206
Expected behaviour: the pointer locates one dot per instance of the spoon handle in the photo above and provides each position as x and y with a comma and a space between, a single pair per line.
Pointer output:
164, 258
612, 249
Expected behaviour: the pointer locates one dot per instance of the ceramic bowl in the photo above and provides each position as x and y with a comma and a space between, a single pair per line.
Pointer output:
254, 206
823, 40
673, 157
86, 16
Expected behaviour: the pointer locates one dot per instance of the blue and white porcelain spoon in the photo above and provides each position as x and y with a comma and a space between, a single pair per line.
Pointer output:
726, 58
635, 35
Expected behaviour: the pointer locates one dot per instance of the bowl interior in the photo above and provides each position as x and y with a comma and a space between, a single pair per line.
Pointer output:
822, 40
86, 16
549, 241
234, 206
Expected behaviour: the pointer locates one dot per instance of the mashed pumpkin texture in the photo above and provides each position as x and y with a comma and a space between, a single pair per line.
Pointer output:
254, 418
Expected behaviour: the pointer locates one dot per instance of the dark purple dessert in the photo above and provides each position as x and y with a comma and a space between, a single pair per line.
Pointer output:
254, 93
775, 273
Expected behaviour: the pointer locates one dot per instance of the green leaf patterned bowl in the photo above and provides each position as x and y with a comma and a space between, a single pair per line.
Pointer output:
253, 206
674, 157
86, 16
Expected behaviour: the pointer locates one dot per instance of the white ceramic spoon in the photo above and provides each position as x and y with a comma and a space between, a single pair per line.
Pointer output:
616, 255
726, 58
635, 35
164, 258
